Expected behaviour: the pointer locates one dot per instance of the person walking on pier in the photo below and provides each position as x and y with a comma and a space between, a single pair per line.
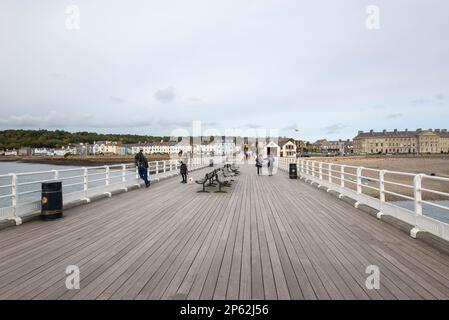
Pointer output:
270, 164
183, 170
142, 165
259, 162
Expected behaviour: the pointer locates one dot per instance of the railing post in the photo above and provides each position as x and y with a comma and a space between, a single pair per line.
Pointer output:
417, 184
85, 182
157, 167
107, 181
382, 185
123, 172
313, 168
342, 176
308, 167
164, 166
14, 193
137, 173
359, 180
321, 170
56, 176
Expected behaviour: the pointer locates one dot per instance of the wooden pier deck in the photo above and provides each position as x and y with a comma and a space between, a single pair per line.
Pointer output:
267, 238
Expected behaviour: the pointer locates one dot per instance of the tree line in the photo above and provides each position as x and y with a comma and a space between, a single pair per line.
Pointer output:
14, 139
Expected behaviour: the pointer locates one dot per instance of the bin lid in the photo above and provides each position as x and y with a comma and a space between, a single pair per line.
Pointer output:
52, 186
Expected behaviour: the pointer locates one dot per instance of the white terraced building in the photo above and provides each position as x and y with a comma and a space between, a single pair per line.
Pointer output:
169, 147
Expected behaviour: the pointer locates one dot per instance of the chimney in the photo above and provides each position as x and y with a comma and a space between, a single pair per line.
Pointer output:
437, 130
371, 131
419, 130
444, 130
360, 132
384, 130
406, 130
395, 130
430, 129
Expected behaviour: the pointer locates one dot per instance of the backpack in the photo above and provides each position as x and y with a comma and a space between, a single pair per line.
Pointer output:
140, 161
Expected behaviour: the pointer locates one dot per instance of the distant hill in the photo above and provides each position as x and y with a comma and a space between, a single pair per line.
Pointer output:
14, 139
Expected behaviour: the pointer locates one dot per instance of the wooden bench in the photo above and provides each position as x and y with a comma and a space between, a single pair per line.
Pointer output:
207, 178
232, 168
222, 182
218, 175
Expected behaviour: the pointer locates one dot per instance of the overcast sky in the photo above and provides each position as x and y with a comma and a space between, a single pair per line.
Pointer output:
149, 67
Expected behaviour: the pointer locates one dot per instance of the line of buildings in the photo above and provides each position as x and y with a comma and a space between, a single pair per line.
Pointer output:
431, 141
418, 141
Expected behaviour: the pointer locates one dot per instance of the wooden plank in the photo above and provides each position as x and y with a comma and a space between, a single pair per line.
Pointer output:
267, 238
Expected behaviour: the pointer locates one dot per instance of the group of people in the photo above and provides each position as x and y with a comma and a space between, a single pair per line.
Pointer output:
142, 166
270, 163
141, 163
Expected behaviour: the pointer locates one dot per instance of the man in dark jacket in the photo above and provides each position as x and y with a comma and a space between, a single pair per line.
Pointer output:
142, 165
183, 170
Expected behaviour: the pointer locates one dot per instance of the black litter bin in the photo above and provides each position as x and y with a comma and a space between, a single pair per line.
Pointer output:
211, 163
51, 200
292, 171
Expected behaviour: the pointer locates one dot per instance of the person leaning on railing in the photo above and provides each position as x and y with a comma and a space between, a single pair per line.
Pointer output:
142, 165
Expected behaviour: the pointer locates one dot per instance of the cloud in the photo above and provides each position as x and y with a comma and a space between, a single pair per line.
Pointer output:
195, 99
292, 127
438, 98
56, 75
394, 115
165, 95
420, 101
335, 128
117, 99
52, 119
56, 119
252, 126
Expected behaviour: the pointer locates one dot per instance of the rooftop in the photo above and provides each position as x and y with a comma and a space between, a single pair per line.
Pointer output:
401, 134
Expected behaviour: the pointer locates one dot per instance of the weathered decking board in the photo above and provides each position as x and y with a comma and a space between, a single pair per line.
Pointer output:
267, 238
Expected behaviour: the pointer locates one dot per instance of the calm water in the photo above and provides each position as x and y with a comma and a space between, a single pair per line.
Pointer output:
431, 211
18, 167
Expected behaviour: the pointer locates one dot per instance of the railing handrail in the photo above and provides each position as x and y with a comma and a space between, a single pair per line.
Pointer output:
324, 173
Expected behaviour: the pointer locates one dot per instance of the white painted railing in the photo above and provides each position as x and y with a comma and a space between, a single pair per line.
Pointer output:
20, 192
372, 187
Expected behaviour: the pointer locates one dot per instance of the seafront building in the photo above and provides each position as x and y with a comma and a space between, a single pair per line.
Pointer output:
402, 142
339, 147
